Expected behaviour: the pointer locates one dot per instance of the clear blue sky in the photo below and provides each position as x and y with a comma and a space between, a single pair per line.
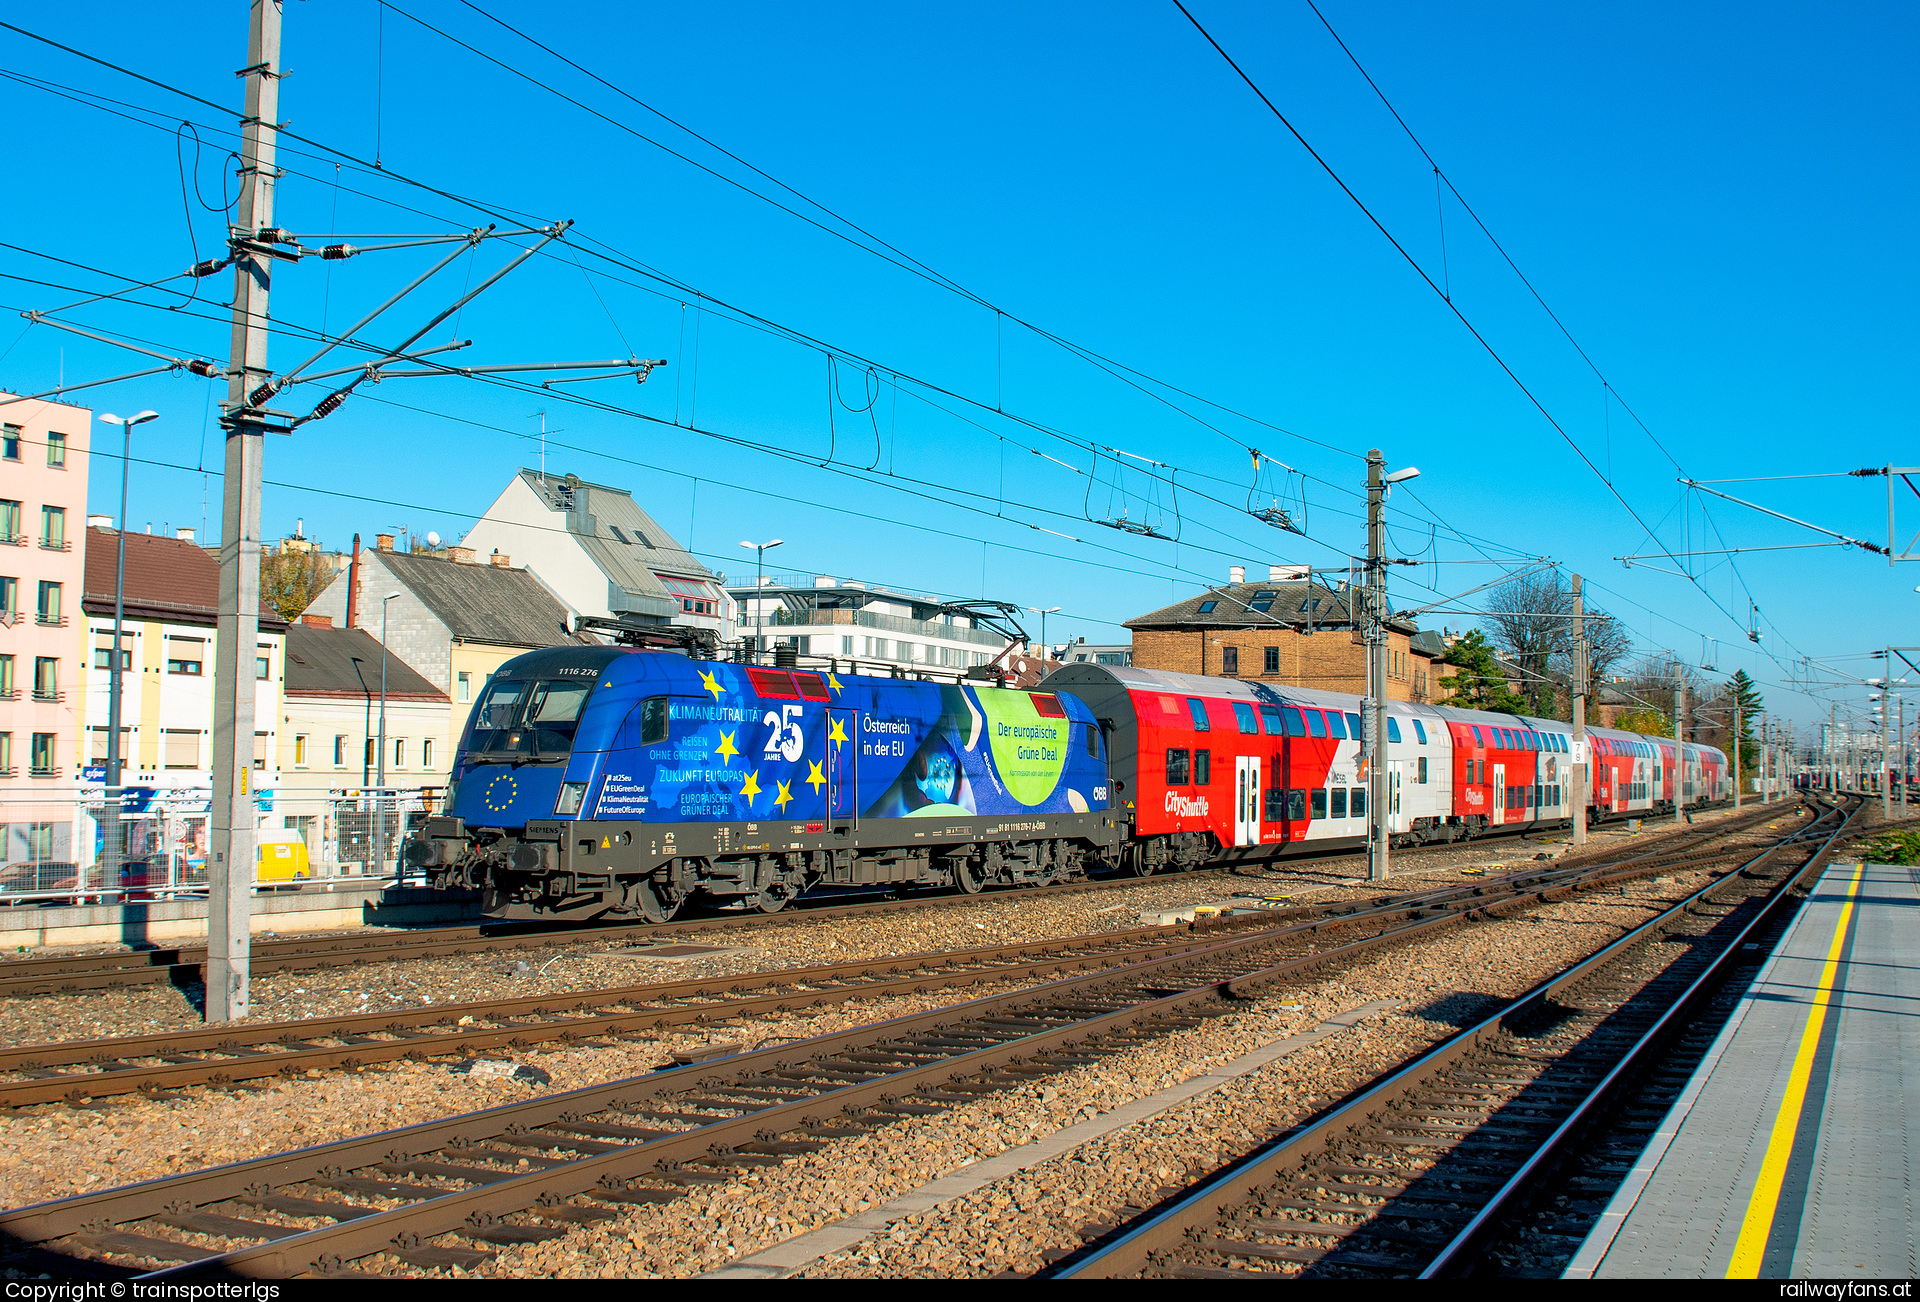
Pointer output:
1716, 200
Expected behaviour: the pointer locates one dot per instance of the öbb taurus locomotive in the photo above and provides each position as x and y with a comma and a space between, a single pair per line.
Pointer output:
611, 780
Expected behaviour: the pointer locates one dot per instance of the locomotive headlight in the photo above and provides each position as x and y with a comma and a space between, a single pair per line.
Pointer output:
571, 794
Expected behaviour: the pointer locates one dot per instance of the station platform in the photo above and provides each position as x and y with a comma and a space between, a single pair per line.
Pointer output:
324, 904
1791, 1152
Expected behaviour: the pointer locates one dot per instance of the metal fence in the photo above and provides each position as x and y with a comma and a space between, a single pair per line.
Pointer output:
55, 844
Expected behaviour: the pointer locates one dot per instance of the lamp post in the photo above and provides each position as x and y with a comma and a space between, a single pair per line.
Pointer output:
1050, 610
1379, 821
381, 757
115, 797
759, 551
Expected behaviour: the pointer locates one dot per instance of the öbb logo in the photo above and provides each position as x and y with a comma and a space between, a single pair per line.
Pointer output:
1186, 807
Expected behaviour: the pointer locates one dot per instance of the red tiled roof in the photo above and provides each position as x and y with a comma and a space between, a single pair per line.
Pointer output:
167, 579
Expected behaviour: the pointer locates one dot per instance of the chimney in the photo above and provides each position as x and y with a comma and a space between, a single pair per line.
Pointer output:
462, 555
353, 586
184, 534
499, 561
1236, 574
299, 528
383, 542
99, 522
317, 621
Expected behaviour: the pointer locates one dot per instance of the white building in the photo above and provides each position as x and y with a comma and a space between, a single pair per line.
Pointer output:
841, 619
600, 554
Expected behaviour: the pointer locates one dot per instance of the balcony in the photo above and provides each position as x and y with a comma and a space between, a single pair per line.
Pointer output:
50, 621
11, 694
8, 618
844, 618
55, 545
9, 772
52, 696
13, 540
52, 772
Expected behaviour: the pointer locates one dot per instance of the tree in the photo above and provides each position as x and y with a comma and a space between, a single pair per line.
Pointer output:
290, 579
1719, 713
1645, 719
1479, 683
1532, 621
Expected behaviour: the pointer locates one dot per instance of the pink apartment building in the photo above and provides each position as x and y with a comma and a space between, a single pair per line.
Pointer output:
43, 505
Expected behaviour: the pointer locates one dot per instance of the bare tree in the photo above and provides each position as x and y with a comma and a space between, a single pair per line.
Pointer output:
1531, 619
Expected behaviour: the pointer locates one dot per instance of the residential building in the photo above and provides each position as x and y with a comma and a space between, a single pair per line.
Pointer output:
1082, 653
43, 500
454, 621
1301, 631
843, 619
602, 555
331, 727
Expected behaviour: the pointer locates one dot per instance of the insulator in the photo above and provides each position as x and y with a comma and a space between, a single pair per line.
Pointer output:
329, 405
276, 235
201, 367
335, 252
206, 268
261, 394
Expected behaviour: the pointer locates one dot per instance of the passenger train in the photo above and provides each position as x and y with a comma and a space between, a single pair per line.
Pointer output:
621, 781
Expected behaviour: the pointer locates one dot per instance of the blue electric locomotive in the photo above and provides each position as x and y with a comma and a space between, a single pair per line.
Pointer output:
614, 780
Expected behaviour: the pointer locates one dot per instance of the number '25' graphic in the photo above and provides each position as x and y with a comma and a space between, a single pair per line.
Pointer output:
785, 739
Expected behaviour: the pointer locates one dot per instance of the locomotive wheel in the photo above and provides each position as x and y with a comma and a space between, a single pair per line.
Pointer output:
772, 899
655, 904
1134, 861
967, 877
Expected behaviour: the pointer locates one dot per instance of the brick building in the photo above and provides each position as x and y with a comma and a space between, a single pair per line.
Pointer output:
1297, 631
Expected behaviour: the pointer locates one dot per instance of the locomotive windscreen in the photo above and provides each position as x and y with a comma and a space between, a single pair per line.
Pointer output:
527, 719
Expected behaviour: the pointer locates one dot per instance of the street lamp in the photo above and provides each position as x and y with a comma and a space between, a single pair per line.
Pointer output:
381, 785
759, 551
1050, 610
114, 794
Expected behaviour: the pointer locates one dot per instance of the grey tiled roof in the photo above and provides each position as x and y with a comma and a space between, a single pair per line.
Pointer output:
320, 662
483, 603
631, 559
1233, 601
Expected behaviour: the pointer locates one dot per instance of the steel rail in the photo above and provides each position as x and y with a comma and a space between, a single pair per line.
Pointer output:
69, 973
1174, 1225
779, 1090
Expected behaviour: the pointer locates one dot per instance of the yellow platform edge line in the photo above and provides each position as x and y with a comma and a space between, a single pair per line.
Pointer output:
1751, 1246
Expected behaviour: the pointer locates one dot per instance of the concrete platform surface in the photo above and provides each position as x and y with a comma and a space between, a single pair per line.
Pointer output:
352, 902
1790, 1153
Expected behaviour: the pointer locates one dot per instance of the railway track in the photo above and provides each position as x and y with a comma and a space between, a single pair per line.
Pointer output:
444, 1192
63, 974
81, 1071
1498, 1147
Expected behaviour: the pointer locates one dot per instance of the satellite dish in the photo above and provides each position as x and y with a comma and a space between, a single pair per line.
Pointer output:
433, 539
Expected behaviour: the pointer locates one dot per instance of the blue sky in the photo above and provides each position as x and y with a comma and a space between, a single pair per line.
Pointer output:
1715, 200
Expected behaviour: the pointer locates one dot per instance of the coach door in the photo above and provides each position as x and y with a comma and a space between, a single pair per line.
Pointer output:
1246, 817
843, 788
1499, 793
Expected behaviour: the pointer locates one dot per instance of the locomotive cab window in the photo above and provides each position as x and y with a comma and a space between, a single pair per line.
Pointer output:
1177, 766
1093, 740
653, 721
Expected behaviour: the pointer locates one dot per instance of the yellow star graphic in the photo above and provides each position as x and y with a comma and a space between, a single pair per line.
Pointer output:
751, 787
785, 798
838, 731
815, 778
706, 681
726, 750
834, 683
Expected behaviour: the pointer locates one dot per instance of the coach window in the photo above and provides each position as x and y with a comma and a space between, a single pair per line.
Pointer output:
1297, 804
1198, 709
1353, 726
1176, 767
1420, 731
1202, 768
1339, 809
1336, 724
1423, 771
1319, 795
1296, 726
1393, 728
1270, 716
1244, 716
1316, 723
